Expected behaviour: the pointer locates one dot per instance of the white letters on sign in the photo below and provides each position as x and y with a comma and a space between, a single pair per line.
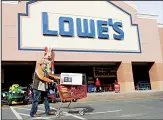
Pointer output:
71, 79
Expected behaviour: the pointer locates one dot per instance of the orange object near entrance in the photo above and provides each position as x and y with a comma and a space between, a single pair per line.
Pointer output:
116, 88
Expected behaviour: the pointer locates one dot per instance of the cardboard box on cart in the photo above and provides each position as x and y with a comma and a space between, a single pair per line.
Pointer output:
71, 79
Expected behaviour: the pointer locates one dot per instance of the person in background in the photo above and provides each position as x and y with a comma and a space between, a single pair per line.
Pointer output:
98, 85
40, 87
116, 82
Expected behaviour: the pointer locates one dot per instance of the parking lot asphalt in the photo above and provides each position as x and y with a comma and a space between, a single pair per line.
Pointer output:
148, 108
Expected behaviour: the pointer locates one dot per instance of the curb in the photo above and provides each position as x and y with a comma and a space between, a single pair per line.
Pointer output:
122, 96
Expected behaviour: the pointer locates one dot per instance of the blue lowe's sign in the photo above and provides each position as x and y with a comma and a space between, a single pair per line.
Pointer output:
87, 28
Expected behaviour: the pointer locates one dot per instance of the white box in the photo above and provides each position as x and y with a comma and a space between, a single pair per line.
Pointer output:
71, 79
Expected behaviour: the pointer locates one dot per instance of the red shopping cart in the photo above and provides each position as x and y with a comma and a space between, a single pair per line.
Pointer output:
70, 93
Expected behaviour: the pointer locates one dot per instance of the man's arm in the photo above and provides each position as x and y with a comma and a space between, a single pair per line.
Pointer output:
41, 75
55, 77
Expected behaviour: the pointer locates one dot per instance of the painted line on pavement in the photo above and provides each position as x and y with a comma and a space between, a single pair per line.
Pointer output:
38, 117
68, 114
24, 114
34, 117
130, 115
103, 112
52, 117
28, 109
16, 114
41, 105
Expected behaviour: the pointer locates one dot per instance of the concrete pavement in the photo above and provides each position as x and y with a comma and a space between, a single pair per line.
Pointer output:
145, 108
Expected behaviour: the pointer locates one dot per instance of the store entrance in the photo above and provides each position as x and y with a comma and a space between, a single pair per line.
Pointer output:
21, 73
17, 73
106, 73
141, 76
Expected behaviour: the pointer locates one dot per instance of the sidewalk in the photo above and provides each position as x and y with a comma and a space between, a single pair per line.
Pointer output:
118, 96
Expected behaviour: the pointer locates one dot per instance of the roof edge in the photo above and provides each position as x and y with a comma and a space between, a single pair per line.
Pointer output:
147, 16
10, 2
127, 2
160, 25
131, 4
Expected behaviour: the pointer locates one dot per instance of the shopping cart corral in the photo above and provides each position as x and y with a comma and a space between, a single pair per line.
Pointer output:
69, 90
143, 85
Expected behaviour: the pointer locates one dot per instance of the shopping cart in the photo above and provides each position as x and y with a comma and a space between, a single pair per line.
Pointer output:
69, 93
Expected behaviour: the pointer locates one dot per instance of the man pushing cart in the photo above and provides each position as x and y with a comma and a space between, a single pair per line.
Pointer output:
70, 87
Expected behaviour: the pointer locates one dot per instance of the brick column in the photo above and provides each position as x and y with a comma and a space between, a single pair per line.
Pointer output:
156, 76
125, 77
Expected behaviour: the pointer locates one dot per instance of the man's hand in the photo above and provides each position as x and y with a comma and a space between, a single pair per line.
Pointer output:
50, 81
55, 77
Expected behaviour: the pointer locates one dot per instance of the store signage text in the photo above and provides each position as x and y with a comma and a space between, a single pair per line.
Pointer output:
83, 28
104, 72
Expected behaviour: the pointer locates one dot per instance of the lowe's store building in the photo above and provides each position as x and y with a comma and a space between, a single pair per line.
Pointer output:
101, 39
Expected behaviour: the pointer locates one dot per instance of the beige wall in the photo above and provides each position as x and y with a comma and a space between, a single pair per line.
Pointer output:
160, 30
149, 37
156, 76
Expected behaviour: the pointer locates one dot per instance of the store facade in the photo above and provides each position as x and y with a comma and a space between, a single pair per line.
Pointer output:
85, 32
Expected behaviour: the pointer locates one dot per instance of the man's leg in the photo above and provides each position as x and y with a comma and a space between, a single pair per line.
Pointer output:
46, 104
35, 102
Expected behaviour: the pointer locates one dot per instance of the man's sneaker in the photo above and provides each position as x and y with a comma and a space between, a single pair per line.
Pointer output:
36, 115
51, 113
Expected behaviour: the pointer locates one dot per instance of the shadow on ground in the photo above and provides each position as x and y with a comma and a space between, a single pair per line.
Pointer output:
73, 110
